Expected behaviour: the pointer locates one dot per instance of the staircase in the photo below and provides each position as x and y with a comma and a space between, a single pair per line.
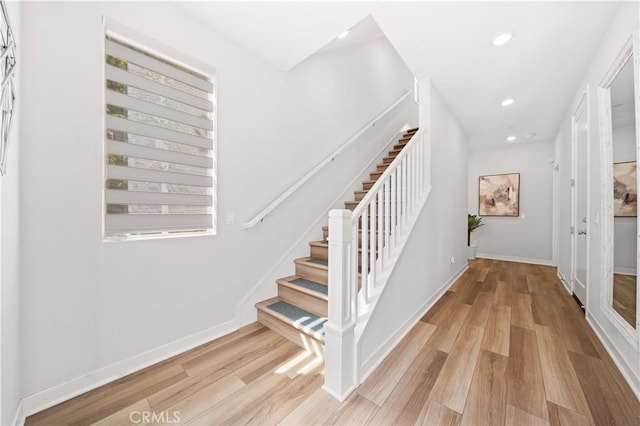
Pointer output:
299, 312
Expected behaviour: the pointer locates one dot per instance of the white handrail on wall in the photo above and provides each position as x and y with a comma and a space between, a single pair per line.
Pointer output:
364, 245
275, 203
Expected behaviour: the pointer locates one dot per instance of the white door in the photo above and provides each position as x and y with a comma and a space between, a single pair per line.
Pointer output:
580, 190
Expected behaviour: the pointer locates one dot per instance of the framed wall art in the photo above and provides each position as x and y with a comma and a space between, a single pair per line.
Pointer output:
499, 195
7, 91
625, 189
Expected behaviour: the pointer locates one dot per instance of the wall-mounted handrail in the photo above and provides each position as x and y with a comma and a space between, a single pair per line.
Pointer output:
275, 203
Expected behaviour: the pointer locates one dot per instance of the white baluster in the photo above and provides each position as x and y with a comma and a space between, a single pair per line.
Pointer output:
394, 206
409, 182
413, 177
364, 246
420, 165
387, 215
372, 241
404, 192
398, 175
380, 230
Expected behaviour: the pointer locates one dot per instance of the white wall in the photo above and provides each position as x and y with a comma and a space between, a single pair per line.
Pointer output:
624, 228
89, 304
624, 22
440, 233
10, 329
525, 238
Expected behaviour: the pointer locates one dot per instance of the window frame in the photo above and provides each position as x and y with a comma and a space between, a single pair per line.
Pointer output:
114, 29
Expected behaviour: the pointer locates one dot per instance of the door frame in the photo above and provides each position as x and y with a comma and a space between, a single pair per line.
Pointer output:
583, 101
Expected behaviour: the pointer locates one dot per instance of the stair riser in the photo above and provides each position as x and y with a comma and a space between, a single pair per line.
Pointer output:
367, 185
320, 252
323, 252
303, 300
296, 336
312, 274
325, 236
400, 145
352, 205
382, 167
359, 195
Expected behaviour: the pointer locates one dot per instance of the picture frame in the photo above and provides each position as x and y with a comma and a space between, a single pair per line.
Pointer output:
625, 189
7, 87
499, 195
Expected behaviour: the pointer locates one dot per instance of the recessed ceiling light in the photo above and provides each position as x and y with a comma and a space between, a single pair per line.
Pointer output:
507, 102
344, 34
502, 39
511, 138
530, 135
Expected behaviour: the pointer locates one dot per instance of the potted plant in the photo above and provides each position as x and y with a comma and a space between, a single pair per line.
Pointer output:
474, 222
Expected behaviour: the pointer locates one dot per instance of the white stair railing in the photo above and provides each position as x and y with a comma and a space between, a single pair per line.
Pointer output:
364, 245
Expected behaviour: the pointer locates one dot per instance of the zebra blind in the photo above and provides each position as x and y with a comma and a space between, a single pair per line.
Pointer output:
159, 147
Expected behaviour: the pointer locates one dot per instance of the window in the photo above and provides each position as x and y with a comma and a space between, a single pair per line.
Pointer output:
159, 143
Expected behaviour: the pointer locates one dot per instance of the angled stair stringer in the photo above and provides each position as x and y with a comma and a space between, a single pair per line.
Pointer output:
299, 311
367, 309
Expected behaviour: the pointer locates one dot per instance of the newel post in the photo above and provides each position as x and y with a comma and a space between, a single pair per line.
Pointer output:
340, 351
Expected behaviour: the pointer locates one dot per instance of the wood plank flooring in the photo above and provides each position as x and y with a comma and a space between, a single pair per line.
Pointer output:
624, 297
505, 345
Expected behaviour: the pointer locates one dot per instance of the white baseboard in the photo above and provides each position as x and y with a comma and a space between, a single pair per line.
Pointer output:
19, 419
533, 261
564, 282
625, 369
376, 358
42, 400
624, 271
339, 397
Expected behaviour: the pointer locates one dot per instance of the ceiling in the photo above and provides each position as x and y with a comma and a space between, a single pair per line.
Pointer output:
449, 42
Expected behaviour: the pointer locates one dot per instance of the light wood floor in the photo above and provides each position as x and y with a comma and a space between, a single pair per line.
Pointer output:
624, 297
505, 345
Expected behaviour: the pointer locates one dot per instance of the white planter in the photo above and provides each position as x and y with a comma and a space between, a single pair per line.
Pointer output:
471, 252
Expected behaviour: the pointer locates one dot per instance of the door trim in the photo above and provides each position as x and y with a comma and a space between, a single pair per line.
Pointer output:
582, 102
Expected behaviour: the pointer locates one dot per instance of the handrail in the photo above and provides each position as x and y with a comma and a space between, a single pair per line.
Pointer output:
371, 193
275, 203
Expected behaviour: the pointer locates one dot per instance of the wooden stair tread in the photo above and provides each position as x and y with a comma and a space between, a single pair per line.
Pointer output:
304, 321
315, 262
304, 285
